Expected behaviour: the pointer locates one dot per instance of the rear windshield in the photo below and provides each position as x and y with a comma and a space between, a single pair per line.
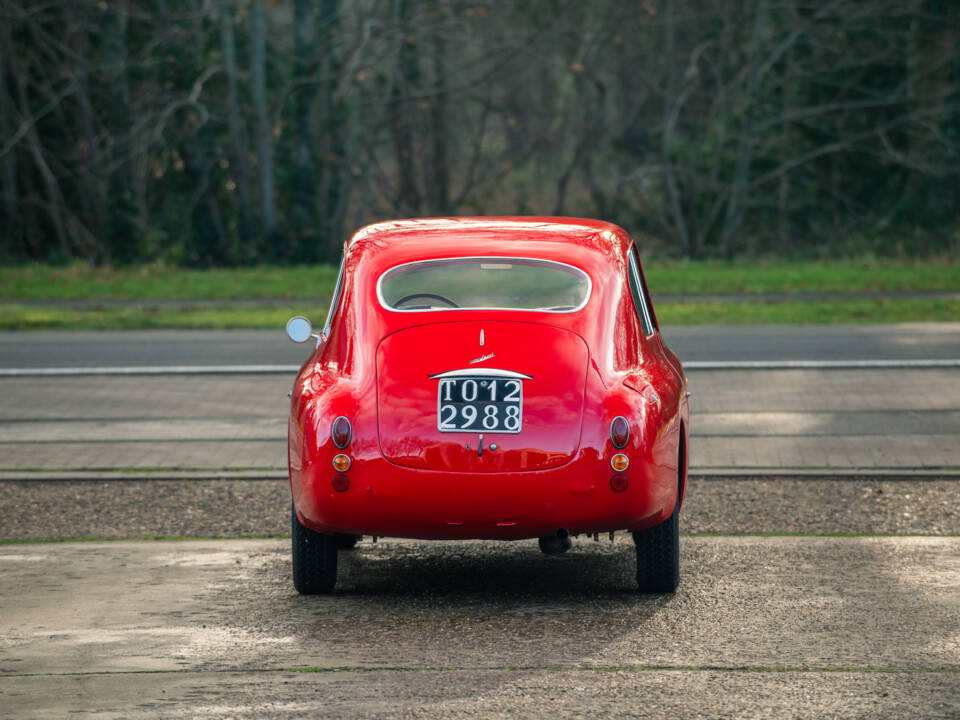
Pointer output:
480, 283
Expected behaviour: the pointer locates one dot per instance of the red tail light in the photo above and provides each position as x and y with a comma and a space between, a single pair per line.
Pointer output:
341, 432
619, 483
341, 483
619, 431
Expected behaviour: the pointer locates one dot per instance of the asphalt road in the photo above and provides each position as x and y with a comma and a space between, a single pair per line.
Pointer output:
756, 422
920, 341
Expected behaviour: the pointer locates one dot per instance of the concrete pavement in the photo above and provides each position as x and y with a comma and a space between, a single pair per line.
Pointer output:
770, 421
859, 627
754, 422
842, 627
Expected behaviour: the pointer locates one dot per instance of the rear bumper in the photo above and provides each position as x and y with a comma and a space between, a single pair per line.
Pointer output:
386, 500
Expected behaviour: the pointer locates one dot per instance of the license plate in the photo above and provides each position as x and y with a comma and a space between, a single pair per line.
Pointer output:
479, 404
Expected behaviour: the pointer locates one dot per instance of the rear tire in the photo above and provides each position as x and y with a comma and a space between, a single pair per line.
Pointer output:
347, 542
658, 555
314, 558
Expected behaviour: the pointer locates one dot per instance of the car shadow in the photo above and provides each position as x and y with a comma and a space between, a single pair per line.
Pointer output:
474, 570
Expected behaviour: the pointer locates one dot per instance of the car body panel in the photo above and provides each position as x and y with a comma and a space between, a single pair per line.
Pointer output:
552, 394
406, 478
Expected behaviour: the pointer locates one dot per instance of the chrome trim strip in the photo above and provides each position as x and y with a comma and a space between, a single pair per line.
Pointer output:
481, 372
335, 300
586, 298
644, 300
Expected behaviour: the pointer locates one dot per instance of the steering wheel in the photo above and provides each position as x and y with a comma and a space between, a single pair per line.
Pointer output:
433, 296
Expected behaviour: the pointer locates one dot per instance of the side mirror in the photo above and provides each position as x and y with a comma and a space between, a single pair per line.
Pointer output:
299, 329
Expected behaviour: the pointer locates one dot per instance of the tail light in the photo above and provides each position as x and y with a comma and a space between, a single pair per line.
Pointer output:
619, 431
340, 482
341, 432
619, 483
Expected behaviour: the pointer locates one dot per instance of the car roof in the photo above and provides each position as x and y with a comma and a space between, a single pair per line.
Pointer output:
546, 237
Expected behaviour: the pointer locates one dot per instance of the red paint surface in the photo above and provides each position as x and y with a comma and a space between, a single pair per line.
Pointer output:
552, 397
410, 480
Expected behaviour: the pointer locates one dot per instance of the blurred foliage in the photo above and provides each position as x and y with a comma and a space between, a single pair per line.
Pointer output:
235, 132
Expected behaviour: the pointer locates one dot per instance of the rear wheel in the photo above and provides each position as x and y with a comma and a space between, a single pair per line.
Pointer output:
658, 554
347, 542
314, 558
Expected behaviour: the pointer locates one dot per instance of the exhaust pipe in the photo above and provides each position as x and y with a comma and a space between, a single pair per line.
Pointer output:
556, 544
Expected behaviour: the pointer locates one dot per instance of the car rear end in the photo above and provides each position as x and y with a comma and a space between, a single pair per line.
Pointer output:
492, 417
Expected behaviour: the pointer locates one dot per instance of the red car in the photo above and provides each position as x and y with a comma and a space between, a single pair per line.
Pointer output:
498, 378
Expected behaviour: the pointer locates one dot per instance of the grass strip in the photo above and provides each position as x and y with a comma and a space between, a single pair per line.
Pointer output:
143, 317
223, 317
161, 282
880, 310
758, 276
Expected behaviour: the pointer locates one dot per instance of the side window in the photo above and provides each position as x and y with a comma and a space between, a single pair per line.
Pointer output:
640, 300
335, 300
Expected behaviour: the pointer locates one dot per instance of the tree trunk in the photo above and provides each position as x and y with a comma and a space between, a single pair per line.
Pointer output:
235, 121
406, 80
89, 181
930, 64
304, 214
10, 238
670, 110
337, 170
264, 128
438, 189
741, 174
54, 199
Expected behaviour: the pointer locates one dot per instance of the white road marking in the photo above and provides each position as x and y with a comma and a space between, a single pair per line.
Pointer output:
284, 369
152, 370
819, 364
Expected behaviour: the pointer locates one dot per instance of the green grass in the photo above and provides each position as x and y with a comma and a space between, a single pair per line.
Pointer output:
882, 310
145, 285
157, 282
22, 317
160, 282
668, 278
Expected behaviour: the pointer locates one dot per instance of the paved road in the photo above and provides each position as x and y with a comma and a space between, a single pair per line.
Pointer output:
268, 347
743, 422
760, 627
845, 627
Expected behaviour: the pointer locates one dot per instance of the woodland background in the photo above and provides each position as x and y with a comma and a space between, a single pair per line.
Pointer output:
218, 132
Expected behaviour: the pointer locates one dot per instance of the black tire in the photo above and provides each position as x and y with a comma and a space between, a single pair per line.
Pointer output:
658, 555
347, 542
314, 559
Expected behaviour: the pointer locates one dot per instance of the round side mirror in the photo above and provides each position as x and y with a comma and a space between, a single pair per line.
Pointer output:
299, 329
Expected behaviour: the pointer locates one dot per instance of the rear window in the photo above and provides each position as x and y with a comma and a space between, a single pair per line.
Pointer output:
484, 283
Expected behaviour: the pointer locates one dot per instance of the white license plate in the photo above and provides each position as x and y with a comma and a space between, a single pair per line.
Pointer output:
479, 403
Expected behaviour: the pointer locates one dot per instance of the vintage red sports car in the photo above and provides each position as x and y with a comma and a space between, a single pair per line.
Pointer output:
488, 378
